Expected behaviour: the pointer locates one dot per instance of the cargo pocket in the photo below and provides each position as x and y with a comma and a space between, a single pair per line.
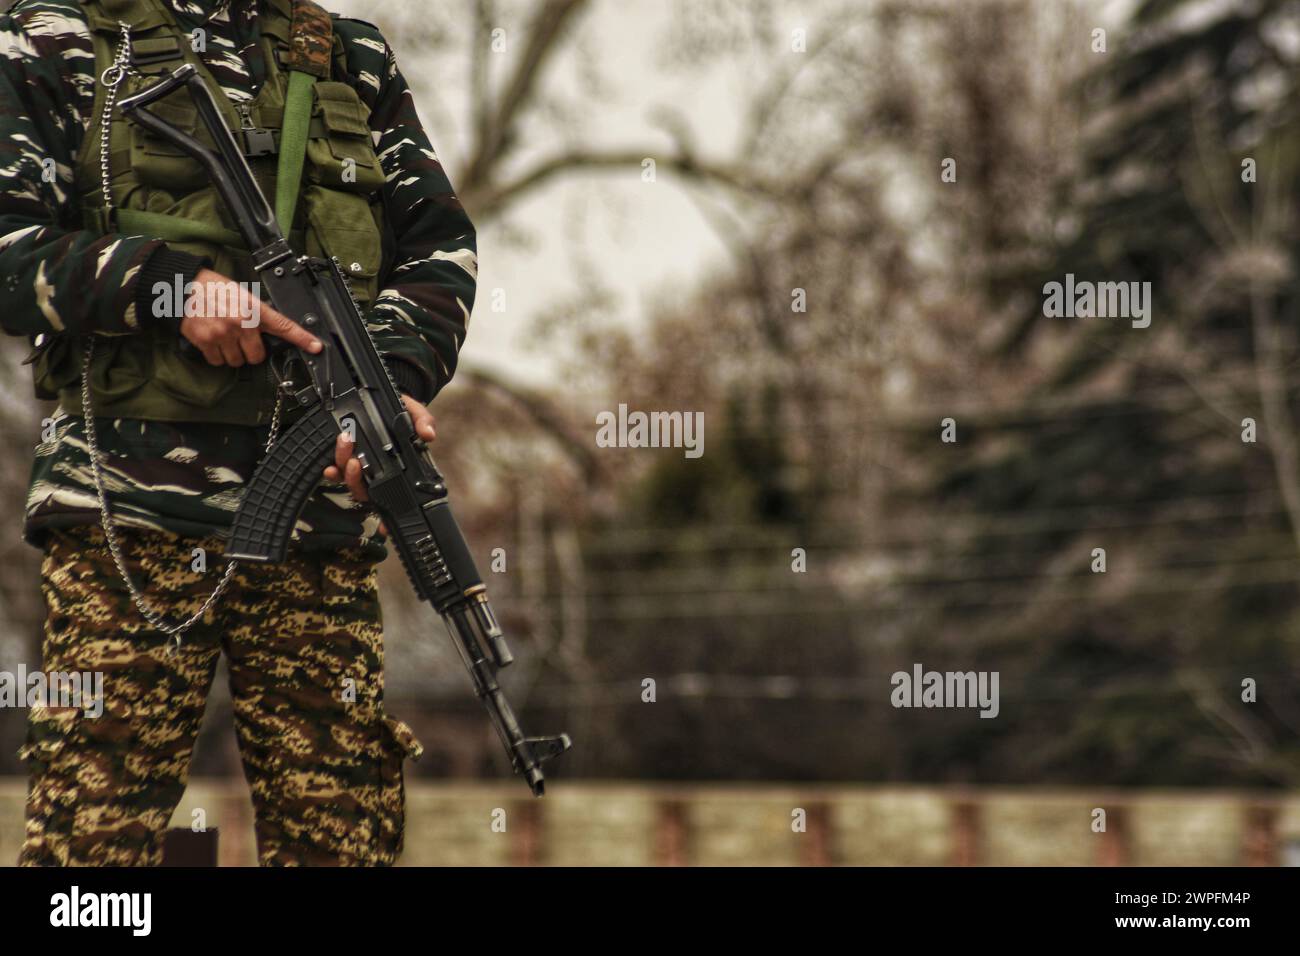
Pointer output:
122, 367
192, 381
123, 364
341, 226
340, 147
157, 162
54, 365
397, 744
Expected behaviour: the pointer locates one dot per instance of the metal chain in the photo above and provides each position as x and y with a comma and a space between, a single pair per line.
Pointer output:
112, 77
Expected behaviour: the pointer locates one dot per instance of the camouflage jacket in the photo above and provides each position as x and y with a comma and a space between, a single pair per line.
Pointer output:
55, 276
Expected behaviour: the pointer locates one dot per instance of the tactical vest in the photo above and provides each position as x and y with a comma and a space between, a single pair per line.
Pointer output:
339, 210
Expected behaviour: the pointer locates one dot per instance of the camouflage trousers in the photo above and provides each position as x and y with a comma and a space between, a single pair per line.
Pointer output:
303, 641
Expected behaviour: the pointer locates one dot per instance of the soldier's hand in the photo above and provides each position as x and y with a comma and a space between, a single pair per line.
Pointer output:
348, 468
225, 320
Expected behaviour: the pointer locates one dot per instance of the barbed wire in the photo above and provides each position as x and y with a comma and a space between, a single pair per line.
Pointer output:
755, 602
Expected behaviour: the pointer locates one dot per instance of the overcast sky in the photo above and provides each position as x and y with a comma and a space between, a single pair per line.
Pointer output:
647, 240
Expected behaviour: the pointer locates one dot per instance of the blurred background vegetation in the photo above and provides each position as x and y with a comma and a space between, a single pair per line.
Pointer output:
821, 171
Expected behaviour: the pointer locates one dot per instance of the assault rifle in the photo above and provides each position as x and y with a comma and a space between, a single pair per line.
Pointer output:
348, 388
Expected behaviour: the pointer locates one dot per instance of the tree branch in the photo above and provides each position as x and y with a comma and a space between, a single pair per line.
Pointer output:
487, 200
544, 414
494, 129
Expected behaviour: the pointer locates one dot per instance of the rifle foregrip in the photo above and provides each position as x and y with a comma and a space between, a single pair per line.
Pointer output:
279, 489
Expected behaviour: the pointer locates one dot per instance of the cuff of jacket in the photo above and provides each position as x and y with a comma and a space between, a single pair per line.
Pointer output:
410, 379
166, 266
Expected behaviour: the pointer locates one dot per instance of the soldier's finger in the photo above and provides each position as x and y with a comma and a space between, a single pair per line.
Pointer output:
281, 326
342, 451
250, 343
425, 426
356, 484
251, 310
231, 352
331, 473
212, 354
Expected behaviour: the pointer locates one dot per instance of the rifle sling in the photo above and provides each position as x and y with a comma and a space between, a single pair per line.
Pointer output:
293, 150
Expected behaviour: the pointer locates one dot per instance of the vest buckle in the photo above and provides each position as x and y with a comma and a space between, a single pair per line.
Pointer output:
259, 142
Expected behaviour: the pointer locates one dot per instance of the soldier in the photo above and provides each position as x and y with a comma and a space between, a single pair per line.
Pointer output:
100, 223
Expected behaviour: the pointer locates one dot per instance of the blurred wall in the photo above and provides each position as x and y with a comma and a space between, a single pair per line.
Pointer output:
613, 824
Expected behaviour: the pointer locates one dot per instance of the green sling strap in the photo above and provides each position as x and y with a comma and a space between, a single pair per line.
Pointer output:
175, 228
293, 150
293, 146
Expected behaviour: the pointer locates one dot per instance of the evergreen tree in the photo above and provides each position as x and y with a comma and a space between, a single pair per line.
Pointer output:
1171, 447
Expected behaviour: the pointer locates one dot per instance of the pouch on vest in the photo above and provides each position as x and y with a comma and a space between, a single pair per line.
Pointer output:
342, 225
340, 151
157, 162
